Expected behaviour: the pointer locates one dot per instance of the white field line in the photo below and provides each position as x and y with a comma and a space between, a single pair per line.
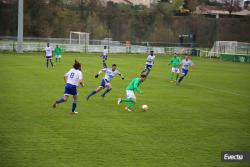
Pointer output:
219, 90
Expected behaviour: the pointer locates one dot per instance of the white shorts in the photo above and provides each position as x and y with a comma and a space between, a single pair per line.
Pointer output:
175, 70
131, 94
58, 56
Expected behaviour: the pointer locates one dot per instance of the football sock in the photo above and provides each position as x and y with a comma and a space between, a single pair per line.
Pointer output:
177, 76
131, 104
91, 94
181, 78
73, 106
106, 91
60, 101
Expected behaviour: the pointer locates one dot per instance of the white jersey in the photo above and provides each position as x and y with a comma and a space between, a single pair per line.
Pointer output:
110, 74
150, 60
74, 76
48, 51
186, 64
105, 52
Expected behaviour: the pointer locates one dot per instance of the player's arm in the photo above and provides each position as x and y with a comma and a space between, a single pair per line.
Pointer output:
65, 78
170, 62
102, 70
136, 83
122, 76
81, 81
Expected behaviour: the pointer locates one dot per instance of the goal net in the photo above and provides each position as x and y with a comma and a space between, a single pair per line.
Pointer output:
229, 51
80, 38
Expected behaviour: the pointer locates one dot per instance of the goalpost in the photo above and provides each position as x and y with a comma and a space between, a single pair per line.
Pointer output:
79, 38
230, 51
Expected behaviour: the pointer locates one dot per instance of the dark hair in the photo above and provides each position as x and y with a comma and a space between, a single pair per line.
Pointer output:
143, 75
113, 65
105, 47
77, 65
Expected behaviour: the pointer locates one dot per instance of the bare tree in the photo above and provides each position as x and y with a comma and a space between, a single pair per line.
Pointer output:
231, 5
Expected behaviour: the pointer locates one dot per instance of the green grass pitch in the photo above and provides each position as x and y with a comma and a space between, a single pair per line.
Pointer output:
186, 126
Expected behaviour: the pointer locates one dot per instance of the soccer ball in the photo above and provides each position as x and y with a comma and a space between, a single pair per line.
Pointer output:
144, 107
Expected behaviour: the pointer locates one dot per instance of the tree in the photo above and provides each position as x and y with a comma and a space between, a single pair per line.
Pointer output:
191, 4
231, 5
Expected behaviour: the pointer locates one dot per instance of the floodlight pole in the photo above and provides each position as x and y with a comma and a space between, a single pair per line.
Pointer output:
19, 48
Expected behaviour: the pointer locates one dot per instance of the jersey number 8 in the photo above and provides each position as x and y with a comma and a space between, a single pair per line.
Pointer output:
72, 75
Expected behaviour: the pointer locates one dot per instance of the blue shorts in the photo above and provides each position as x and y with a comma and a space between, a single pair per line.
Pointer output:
149, 67
104, 82
104, 58
184, 72
48, 57
70, 89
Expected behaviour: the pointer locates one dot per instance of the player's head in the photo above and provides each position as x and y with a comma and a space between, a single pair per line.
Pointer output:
151, 52
114, 67
105, 47
143, 77
77, 65
175, 54
187, 57
57, 46
48, 44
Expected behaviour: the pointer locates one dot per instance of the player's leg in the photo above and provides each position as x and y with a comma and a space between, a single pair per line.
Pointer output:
104, 64
61, 100
176, 72
51, 62
130, 99
47, 62
98, 89
172, 74
108, 89
184, 73
74, 103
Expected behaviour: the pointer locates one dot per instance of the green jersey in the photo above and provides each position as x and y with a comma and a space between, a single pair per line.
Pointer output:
134, 85
175, 62
58, 51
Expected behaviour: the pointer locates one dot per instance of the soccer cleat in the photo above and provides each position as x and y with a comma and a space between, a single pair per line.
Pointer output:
127, 109
74, 112
119, 101
87, 97
54, 105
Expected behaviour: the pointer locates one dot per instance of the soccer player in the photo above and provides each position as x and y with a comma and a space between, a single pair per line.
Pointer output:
48, 51
72, 79
175, 63
186, 63
104, 57
132, 87
58, 52
149, 63
110, 73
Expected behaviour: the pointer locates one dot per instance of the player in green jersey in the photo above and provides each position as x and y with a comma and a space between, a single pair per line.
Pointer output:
58, 52
175, 63
132, 87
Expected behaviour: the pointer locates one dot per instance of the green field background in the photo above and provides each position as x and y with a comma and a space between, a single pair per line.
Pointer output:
186, 126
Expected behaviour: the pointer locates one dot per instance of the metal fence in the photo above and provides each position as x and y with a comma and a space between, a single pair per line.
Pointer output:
38, 44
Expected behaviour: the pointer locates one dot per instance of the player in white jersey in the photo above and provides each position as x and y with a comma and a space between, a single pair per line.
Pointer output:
49, 55
186, 63
110, 73
149, 63
72, 79
104, 57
